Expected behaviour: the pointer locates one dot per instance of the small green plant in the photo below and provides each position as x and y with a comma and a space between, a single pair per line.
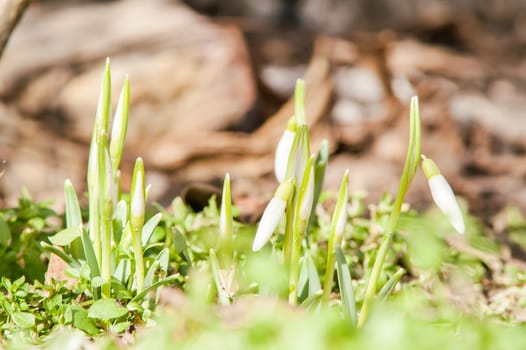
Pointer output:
335, 263
114, 249
22, 229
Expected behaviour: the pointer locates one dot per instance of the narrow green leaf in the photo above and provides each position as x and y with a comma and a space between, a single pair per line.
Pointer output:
60, 253
214, 264
181, 245
314, 278
168, 280
5, 233
346, 289
89, 254
391, 284
160, 262
148, 228
72, 207
106, 309
66, 236
313, 302
309, 280
299, 102
120, 126
322, 159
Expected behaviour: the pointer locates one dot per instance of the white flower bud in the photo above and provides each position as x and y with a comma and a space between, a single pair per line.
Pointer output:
272, 214
443, 195
269, 221
445, 199
282, 154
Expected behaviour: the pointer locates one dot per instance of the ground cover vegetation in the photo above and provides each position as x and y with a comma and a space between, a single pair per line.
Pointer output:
319, 270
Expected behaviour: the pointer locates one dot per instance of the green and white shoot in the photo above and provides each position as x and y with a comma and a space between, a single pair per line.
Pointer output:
337, 227
443, 195
137, 211
410, 168
283, 150
119, 129
303, 207
112, 246
226, 223
273, 214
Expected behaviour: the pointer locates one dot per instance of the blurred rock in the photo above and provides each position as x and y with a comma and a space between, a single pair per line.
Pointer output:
188, 76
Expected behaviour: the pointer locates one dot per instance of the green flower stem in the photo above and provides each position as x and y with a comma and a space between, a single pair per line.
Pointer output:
299, 102
336, 235
289, 228
137, 211
298, 233
105, 211
302, 209
410, 167
226, 224
100, 127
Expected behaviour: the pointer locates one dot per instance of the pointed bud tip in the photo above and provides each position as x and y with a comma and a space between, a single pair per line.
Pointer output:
257, 246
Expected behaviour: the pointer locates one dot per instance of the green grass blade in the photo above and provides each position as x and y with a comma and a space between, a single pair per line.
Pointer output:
168, 280
214, 264
72, 207
390, 284
120, 126
322, 159
149, 227
346, 289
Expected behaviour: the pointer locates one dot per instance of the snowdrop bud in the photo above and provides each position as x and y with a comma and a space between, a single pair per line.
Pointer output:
272, 214
283, 150
308, 196
443, 194
138, 206
225, 216
340, 213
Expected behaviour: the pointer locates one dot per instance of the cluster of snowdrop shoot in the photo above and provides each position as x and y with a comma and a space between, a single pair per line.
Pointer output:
296, 170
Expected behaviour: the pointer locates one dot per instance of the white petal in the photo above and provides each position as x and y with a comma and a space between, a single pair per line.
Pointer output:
445, 199
282, 154
268, 223
137, 204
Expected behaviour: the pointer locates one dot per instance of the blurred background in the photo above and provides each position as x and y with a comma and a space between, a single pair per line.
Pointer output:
211, 82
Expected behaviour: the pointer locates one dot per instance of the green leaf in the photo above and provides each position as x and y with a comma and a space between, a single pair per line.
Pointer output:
160, 262
345, 284
37, 223
72, 208
106, 309
97, 282
5, 233
322, 159
24, 319
214, 264
120, 327
314, 278
120, 126
309, 280
390, 284
66, 236
148, 228
168, 280
83, 322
